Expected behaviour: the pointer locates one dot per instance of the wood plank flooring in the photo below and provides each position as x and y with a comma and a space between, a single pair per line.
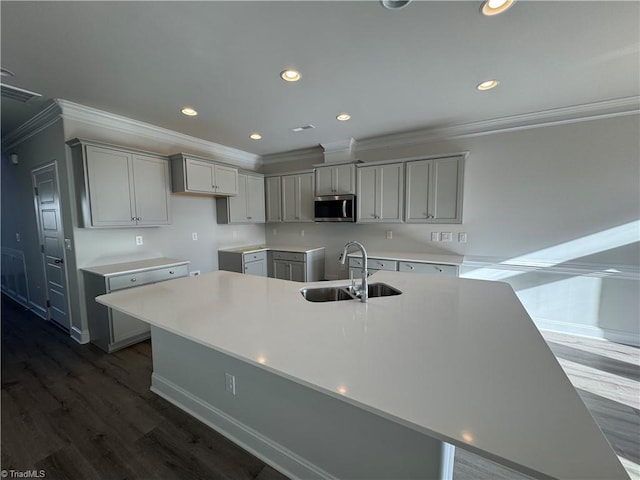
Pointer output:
77, 413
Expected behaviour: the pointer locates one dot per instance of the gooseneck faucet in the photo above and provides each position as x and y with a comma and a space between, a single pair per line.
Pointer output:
363, 291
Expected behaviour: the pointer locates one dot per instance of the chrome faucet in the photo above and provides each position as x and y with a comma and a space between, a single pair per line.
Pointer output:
363, 291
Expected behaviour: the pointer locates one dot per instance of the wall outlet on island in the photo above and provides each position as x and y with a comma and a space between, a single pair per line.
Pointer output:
230, 383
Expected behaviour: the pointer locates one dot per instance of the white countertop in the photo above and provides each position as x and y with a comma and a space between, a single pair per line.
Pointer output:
414, 257
457, 359
279, 248
134, 266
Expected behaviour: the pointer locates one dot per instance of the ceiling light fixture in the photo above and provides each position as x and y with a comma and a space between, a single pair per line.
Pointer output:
494, 7
343, 117
255, 136
290, 75
394, 4
488, 85
188, 111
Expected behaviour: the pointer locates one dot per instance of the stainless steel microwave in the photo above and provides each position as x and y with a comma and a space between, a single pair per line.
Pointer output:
335, 208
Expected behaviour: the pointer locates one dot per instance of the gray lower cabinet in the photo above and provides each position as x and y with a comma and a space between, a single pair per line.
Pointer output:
376, 264
297, 266
112, 330
251, 263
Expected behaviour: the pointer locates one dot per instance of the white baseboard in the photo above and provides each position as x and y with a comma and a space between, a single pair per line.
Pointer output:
80, 336
616, 336
38, 310
270, 452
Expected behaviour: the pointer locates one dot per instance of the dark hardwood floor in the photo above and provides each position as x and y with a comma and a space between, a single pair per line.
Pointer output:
75, 412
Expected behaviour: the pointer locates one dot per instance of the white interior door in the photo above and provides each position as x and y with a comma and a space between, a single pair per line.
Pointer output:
47, 203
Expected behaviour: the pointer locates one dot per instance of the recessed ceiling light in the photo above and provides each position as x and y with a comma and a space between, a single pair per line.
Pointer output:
488, 85
394, 4
6, 73
494, 7
343, 117
190, 112
290, 75
255, 136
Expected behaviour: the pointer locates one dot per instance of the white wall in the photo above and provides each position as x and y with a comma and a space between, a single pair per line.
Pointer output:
564, 196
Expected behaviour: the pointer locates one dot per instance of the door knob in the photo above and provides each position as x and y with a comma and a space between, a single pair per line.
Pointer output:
58, 260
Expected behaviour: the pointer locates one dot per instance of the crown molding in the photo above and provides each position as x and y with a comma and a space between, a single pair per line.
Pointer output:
559, 116
92, 116
311, 154
45, 118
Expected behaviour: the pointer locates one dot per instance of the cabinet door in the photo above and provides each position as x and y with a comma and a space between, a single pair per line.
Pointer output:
345, 179
305, 197
255, 199
445, 196
368, 194
225, 180
290, 203
151, 189
391, 193
273, 199
282, 269
258, 268
238, 207
110, 182
418, 180
298, 273
199, 176
324, 181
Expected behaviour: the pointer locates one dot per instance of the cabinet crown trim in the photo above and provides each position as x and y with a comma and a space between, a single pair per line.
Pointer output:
96, 143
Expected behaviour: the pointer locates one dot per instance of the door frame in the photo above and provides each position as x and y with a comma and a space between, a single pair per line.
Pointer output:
43, 263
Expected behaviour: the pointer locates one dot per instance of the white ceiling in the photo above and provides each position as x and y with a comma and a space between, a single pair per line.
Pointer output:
393, 71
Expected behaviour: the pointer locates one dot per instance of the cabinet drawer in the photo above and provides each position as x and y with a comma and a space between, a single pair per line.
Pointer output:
289, 256
432, 268
254, 256
375, 264
148, 276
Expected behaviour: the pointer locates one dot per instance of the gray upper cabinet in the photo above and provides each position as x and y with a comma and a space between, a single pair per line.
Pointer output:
336, 179
246, 207
297, 197
273, 199
380, 193
434, 190
118, 187
191, 174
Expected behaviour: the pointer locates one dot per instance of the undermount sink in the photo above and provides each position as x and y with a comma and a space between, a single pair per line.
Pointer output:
346, 292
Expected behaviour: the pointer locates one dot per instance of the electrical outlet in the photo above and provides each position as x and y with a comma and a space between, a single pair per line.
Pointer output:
447, 236
435, 236
389, 234
139, 240
194, 236
67, 243
274, 232
302, 233
462, 237
17, 237
230, 383
195, 273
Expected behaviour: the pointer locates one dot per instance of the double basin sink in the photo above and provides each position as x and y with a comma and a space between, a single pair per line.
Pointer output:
346, 292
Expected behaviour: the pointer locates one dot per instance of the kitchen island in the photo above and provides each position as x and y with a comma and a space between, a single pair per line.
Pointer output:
370, 390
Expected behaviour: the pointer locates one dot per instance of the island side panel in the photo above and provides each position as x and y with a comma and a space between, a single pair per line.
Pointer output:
300, 431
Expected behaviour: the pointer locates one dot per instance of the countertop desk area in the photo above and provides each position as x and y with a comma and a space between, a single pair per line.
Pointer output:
453, 360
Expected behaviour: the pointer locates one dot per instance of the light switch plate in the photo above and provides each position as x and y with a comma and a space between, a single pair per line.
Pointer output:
194, 236
230, 383
389, 235
462, 237
447, 237
435, 236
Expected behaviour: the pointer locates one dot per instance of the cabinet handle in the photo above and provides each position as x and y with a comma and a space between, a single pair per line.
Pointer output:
133, 279
139, 219
438, 269
410, 266
170, 272
248, 218
133, 219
